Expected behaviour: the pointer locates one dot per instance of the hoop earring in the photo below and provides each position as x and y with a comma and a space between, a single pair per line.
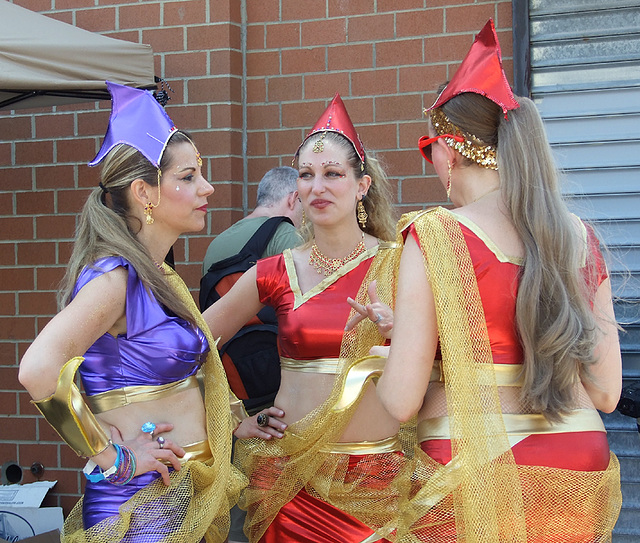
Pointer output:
362, 213
449, 181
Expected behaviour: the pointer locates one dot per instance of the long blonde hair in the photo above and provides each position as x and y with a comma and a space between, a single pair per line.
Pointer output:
107, 227
554, 317
378, 201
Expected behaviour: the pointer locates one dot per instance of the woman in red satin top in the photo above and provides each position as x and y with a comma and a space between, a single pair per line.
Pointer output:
347, 217
504, 342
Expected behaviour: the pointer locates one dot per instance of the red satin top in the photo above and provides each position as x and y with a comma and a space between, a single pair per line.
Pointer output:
498, 276
314, 328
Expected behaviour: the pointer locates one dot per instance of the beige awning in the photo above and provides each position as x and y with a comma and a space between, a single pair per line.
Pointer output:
45, 62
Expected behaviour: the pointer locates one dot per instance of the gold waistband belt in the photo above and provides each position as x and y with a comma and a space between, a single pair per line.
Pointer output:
105, 401
199, 451
316, 365
506, 375
579, 420
386, 445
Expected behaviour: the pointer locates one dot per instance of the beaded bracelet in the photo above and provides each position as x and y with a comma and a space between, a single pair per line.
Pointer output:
126, 469
101, 475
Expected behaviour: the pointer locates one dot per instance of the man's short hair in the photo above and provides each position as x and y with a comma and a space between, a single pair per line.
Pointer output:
276, 184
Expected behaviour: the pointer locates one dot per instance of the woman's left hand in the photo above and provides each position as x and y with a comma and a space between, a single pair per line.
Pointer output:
377, 312
265, 425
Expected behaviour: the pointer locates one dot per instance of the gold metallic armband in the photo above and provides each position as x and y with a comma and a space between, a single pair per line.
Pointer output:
68, 414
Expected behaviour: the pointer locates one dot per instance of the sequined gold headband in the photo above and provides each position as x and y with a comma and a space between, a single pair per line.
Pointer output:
471, 148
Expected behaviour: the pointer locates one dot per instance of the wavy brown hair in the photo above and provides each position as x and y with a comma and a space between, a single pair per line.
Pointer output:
554, 317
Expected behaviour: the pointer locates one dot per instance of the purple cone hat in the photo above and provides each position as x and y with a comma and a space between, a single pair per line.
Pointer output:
138, 120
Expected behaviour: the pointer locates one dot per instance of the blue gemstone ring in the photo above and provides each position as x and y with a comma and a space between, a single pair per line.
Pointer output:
148, 428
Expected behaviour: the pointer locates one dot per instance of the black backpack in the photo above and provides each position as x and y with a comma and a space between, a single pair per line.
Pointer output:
250, 358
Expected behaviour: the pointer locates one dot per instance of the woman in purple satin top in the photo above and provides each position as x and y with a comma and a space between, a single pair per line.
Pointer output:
130, 325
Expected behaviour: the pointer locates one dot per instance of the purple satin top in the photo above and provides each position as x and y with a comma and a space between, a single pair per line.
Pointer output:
157, 348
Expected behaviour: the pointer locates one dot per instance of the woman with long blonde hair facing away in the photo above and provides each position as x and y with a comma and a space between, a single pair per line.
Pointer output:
504, 341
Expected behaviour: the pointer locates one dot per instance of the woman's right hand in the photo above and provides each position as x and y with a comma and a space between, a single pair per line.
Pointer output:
274, 427
149, 454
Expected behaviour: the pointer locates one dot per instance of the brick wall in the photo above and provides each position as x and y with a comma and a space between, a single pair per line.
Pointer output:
250, 78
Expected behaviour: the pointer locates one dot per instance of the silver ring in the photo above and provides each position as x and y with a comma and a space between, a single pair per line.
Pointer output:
160, 441
262, 419
378, 318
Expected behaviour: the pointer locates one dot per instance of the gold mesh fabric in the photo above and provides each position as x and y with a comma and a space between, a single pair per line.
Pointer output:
482, 495
197, 502
278, 469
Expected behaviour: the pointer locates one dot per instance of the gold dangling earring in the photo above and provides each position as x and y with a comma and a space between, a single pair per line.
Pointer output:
449, 181
148, 210
362, 213
303, 222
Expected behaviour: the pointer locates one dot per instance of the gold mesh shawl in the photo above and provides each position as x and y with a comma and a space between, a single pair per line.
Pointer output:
197, 502
278, 469
482, 495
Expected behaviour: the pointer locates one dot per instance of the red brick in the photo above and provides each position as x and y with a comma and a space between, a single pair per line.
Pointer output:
72, 201
263, 117
56, 227
325, 85
16, 279
54, 126
34, 202
184, 12
313, 60
281, 35
227, 168
350, 57
213, 36
421, 78
374, 82
420, 23
16, 228
186, 64
284, 142
49, 278
446, 48
360, 110
263, 11
294, 10
285, 88
257, 167
226, 115
402, 162
94, 122
8, 350
7, 307
410, 133
399, 5
54, 176
198, 248
469, 18
379, 136
75, 150
256, 90
256, 37
15, 328
98, 20
167, 39
504, 17
263, 63
256, 144
225, 10
340, 8
399, 52
218, 89
225, 62
395, 108
8, 403
15, 128
8, 254
45, 453
6, 203
140, 16
421, 190
18, 428
37, 303
190, 117
8, 451
303, 114
371, 28
34, 152
5, 153
324, 32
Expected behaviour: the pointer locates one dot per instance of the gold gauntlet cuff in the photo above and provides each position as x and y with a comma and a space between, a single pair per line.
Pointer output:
68, 414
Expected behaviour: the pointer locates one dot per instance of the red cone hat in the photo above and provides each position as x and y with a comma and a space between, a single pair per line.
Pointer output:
336, 119
481, 72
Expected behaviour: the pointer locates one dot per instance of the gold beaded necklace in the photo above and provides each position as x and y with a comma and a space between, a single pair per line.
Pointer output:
326, 266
